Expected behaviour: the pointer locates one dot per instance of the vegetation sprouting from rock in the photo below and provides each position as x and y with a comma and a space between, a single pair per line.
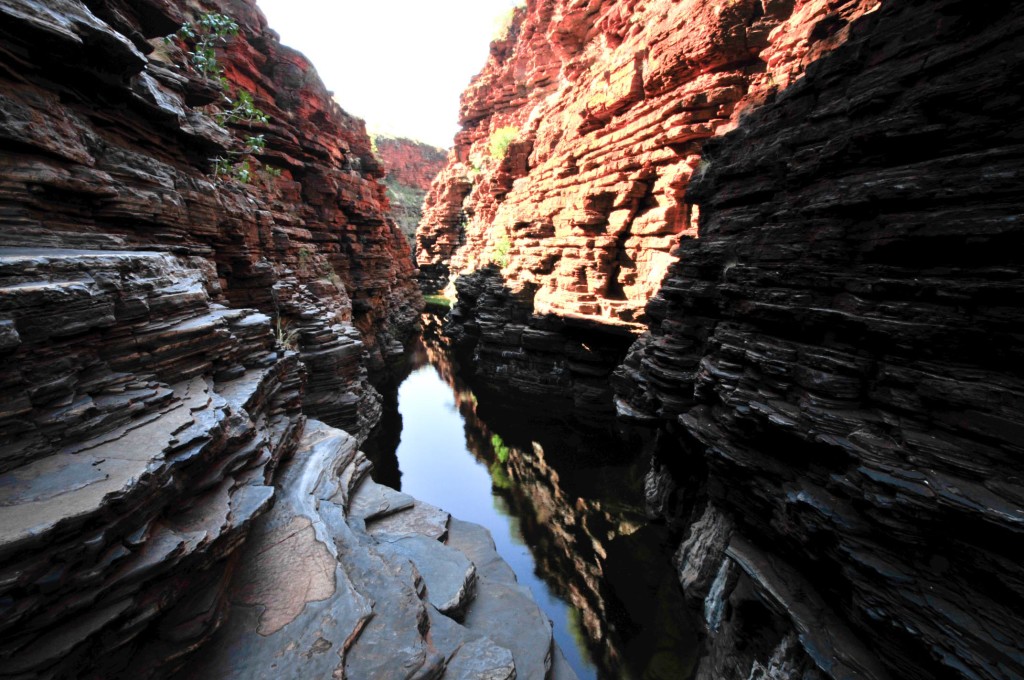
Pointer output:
203, 36
500, 139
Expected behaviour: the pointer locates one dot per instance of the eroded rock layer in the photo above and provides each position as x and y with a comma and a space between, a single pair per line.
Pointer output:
107, 142
840, 351
581, 135
141, 426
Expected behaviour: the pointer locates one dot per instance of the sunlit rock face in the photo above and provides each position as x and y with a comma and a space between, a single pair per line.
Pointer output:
579, 139
839, 350
409, 168
107, 145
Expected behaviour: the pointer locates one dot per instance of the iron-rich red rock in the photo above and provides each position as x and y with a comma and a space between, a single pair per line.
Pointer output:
409, 167
105, 147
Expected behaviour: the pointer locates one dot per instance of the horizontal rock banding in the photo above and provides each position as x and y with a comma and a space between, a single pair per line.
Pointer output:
608, 104
834, 347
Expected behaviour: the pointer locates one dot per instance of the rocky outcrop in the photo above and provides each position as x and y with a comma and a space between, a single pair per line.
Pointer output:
836, 349
142, 423
408, 162
410, 167
108, 141
347, 578
581, 135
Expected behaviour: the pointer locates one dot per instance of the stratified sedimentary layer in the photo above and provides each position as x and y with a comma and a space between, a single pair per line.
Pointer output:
603, 107
347, 578
107, 141
840, 350
141, 425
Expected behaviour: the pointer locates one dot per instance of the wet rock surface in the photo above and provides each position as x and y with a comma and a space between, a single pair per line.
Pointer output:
835, 349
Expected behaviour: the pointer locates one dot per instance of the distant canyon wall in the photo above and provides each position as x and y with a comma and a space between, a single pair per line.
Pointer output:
409, 168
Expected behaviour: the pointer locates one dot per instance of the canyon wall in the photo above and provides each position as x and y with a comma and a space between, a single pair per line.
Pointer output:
165, 332
566, 192
823, 200
834, 355
409, 168
107, 145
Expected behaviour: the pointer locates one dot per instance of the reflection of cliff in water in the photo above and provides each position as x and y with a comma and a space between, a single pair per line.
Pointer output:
577, 491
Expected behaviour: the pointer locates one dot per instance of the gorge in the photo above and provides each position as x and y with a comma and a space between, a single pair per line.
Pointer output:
735, 287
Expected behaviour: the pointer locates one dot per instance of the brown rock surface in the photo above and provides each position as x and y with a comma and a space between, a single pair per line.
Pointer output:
105, 146
609, 104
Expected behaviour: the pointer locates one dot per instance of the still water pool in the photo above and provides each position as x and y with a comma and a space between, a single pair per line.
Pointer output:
562, 499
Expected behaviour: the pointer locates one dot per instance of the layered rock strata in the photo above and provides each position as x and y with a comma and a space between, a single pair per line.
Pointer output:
836, 351
141, 427
108, 140
163, 332
409, 167
581, 135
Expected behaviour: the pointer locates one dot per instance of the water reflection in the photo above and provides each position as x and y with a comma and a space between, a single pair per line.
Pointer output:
563, 501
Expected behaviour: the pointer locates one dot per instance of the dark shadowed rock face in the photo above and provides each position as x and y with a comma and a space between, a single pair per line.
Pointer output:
840, 347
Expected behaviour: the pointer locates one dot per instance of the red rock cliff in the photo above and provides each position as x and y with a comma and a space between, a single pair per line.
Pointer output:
408, 162
565, 195
410, 167
107, 145
607, 105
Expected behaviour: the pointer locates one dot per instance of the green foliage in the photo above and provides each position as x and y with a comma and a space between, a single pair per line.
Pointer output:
501, 450
501, 246
437, 302
241, 109
287, 338
210, 30
500, 139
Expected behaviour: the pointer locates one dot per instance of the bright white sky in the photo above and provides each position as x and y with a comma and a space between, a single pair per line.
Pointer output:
398, 64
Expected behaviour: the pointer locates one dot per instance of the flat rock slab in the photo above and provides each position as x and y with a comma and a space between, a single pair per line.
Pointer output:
295, 609
471, 656
481, 659
392, 645
372, 500
448, 574
476, 543
422, 519
66, 488
507, 614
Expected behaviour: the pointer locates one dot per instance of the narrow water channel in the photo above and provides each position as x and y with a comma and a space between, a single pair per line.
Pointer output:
563, 500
